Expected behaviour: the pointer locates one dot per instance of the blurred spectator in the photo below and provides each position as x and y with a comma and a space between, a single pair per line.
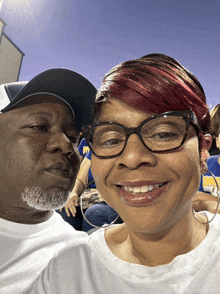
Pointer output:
208, 200
215, 130
71, 212
207, 183
83, 148
206, 197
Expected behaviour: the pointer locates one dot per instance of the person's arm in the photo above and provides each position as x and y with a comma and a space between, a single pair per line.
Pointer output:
73, 200
205, 201
81, 182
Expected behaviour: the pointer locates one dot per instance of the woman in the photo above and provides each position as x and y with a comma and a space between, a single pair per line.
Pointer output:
147, 165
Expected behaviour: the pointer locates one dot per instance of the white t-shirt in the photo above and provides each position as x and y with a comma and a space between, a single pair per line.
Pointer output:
89, 267
25, 250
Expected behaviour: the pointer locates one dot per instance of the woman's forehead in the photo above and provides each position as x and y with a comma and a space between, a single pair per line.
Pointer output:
113, 104
115, 110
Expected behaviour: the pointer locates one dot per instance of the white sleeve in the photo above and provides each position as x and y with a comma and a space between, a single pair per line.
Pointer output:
68, 272
43, 282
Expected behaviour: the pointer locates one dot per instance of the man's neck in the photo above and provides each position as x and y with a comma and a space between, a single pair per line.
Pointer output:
24, 216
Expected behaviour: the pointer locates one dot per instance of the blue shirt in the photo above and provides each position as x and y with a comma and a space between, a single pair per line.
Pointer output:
83, 148
207, 183
85, 152
90, 176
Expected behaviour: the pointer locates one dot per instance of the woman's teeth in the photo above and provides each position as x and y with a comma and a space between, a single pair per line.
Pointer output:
142, 189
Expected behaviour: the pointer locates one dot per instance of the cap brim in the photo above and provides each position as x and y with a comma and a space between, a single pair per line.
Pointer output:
43, 98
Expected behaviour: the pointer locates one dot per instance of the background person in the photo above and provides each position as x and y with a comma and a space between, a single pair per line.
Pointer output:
71, 212
207, 183
215, 130
206, 198
84, 180
150, 132
83, 148
39, 127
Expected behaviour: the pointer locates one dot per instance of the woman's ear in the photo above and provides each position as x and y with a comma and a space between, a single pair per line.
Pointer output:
205, 144
204, 155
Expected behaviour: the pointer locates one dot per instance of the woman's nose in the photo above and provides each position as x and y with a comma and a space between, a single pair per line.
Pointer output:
136, 154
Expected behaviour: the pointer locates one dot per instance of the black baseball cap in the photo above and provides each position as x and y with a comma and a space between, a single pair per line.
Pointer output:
69, 86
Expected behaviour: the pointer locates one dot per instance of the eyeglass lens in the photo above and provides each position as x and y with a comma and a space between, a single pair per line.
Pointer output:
158, 134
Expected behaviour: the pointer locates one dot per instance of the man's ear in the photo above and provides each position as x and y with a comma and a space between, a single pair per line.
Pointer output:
205, 142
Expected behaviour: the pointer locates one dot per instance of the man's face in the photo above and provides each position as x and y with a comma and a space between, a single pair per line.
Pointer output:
38, 155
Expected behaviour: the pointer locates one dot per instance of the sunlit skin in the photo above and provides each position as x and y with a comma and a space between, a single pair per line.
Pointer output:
152, 232
32, 139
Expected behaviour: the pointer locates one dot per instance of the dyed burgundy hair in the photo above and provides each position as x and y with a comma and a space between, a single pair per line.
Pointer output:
155, 83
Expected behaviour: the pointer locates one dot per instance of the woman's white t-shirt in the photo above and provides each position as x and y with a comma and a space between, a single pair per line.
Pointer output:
89, 267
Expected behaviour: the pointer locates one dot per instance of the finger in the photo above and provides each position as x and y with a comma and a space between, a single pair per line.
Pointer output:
73, 211
67, 211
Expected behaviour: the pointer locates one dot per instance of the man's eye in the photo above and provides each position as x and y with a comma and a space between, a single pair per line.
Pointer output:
39, 127
73, 139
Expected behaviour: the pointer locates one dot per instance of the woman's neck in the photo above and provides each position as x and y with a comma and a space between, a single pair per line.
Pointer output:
159, 248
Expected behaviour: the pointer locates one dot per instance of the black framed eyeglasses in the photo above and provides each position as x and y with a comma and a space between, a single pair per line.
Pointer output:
159, 133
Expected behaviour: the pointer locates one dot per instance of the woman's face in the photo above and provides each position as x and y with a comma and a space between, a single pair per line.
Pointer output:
171, 178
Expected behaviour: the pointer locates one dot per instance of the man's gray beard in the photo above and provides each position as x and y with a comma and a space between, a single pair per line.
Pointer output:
42, 199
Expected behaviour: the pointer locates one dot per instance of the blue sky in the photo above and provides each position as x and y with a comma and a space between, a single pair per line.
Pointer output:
90, 37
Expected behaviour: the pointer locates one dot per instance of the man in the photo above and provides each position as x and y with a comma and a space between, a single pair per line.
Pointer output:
39, 126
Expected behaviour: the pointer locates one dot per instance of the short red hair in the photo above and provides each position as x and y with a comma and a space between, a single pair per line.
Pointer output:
156, 83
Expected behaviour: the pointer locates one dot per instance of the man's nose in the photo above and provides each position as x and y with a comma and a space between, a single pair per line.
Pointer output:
60, 143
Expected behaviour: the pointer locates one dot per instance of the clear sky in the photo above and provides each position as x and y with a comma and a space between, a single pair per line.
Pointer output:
91, 36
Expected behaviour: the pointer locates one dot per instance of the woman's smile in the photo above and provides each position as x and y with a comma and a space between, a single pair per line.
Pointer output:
141, 193
134, 198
